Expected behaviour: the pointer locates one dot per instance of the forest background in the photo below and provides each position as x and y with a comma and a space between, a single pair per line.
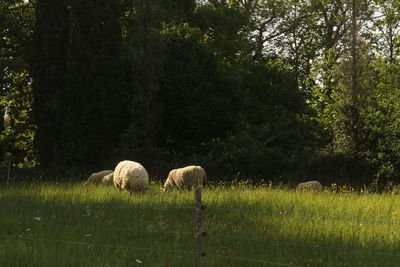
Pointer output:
280, 90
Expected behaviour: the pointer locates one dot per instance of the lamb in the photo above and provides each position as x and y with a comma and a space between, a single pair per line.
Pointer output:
131, 176
310, 185
187, 177
97, 177
109, 179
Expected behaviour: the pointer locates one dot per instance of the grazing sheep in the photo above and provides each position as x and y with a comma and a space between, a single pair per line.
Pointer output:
130, 176
97, 177
187, 177
109, 179
310, 185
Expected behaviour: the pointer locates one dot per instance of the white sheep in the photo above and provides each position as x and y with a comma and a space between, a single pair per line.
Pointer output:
97, 177
130, 176
187, 177
310, 185
109, 179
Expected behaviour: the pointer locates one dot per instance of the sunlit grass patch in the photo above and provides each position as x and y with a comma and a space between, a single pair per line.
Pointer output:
246, 225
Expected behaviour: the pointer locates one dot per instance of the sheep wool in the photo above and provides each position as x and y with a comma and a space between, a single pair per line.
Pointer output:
130, 176
97, 177
187, 177
310, 185
109, 179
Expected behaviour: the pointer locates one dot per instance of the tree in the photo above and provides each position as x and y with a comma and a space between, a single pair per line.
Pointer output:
196, 87
322, 81
339, 78
145, 61
385, 29
353, 81
16, 131
48, 67
76, 69
94, 95
381, 125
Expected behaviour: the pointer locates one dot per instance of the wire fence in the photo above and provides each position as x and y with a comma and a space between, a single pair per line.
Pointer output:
98, 245
251, 260
93, 206
146, 249
199, 233
286, 243
28, 224
285, 214
256, 212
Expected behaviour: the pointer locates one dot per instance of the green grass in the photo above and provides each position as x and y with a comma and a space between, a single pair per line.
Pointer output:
76, 225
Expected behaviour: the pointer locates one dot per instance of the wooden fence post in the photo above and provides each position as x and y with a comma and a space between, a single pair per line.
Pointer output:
199, 233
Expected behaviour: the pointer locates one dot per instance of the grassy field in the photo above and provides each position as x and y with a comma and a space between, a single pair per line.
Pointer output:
76, 225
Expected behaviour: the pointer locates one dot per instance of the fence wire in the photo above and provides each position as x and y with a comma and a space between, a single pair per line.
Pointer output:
211, 234
252, 260
93, 206
288, 243
99, 245
113, 229
257, 212
303, 216
146, 249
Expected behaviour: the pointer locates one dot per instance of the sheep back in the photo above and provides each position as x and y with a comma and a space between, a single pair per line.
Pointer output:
310, 185
130, 176
187, 177
97, 177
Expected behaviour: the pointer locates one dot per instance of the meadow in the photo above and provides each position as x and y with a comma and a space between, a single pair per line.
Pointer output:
68, 224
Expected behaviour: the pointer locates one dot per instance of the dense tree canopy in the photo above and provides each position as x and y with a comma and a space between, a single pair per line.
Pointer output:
246, 88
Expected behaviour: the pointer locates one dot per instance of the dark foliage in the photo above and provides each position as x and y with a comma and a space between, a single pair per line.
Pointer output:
246, 89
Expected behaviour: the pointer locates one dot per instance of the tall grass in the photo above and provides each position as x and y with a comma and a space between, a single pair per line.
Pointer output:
75, 225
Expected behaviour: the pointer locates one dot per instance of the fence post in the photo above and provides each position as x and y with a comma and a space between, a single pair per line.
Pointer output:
199, 233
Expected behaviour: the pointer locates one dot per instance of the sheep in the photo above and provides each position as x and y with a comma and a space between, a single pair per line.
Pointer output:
187, 177
109, 179
97, 177
310, 185
130, 176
